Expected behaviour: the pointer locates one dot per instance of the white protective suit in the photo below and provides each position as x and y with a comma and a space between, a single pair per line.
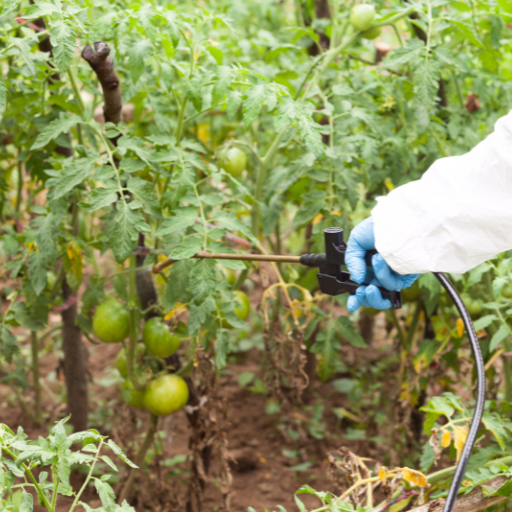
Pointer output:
458, 215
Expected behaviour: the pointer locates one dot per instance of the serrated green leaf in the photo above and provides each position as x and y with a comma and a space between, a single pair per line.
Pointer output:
143, 191
61, 125
311, 204
124, 231
185, 217
8, 345
26, 502
494, 424
253, 102
40, 9
499, 336
401, 55
222, 85
24, 52
426, 80
230, 222
202, 279
178, 284
350, 333
186, 249
63, 39
74, 172
199, 313
105, 492
10, 6
100, 198
484, 322
138, 54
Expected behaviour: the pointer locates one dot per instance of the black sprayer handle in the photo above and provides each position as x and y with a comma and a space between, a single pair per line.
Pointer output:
331, 279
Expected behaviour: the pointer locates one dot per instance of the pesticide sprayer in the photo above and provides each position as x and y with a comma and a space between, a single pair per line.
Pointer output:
333, 281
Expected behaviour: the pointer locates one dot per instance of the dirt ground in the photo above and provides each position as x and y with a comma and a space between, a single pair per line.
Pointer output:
263, 473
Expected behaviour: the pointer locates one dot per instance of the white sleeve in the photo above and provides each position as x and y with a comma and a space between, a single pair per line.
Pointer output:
458, 215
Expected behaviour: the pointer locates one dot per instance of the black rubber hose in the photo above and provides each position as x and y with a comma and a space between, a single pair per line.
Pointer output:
480, 392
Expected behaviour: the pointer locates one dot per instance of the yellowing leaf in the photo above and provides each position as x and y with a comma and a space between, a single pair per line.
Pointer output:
389, 184
317, 219
203, 133
415, 477
76, 262
446, 439
460, 327
179, 308
460, 434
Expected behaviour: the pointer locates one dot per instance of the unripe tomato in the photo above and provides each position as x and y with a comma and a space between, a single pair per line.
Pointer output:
474, 306
122, 365
243, 307
132, 396
157, 338
371, 311
166, 394
233, 161
111, 322
507, 291
372, 33
362, 16
230, 277
412, 293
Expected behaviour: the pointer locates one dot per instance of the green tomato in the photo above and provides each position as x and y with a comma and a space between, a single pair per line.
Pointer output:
233, 161
230, 277
132, 396
243, 305
362, 16
371, 311
166, 394
111, 322
372, 33
412, 293
474, 306
241, 310
122, 365
158, 340
507, 291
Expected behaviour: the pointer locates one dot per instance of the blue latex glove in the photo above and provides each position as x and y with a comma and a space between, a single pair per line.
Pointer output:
362, 239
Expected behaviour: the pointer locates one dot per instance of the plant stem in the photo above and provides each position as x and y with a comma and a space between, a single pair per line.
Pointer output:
88, 478
139, 460
19, 188
55, 487
76, 91
34, 345
132, 309
394, 318
412, 327
32, 478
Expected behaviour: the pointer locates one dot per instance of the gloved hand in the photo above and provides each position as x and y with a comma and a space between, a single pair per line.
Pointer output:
361, 240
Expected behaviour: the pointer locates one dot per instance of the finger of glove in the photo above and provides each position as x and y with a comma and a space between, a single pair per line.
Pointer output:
374, 298
388, 278
361, 296
352, 303
361, 240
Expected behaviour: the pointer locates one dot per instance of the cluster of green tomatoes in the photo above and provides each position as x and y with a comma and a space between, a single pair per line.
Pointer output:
162, 395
